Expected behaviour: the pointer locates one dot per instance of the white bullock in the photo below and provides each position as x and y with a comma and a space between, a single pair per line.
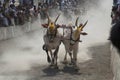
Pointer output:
52, 41
71, 41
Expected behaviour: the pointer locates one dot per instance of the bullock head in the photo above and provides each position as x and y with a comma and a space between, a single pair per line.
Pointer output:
52, 28
78, 30
52, 24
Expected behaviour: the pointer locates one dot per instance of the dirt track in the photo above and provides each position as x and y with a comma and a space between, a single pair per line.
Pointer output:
22, 58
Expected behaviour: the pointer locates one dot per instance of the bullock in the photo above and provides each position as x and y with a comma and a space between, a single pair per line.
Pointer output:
71, 42
52, 41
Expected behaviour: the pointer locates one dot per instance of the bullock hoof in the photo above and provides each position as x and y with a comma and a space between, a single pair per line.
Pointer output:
65, 62
76, 68
51, 65
70, 63
56, 67
44, 47
49, 60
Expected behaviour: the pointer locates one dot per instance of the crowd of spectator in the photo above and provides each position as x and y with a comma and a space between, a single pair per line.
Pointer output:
11, 14
115, 30
68, 4
115, 15
63, 5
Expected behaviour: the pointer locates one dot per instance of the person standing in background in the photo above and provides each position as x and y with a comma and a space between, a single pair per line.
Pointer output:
118, 6
114, 2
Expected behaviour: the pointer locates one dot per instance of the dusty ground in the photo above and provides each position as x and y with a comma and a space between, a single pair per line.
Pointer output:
25, 60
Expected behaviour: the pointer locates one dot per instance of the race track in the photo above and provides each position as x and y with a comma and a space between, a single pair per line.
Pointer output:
22, 58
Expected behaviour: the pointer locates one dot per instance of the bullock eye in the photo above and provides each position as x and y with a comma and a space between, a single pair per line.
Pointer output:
75, 27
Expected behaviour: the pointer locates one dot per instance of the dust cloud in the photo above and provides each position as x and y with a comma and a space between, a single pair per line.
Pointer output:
24, 52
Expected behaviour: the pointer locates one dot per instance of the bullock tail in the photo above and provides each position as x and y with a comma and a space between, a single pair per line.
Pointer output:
48, 57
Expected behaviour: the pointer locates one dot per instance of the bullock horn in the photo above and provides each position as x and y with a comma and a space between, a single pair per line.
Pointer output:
76, 23
49, 20
84, 24
57, 18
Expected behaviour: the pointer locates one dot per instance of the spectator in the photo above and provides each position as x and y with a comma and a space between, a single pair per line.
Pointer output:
115, 2
62, 4
4, 20
12, 13
114, 35
118, 5
42, 7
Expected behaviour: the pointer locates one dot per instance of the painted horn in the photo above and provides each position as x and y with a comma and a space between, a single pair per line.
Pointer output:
76, 23
57, 18
49, 20
84, 24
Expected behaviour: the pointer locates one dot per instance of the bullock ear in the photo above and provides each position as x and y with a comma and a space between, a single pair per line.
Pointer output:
57, 18
84, 33
45, 25
76, 23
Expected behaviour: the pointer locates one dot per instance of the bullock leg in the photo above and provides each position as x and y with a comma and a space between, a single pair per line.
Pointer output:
75, 51
65, 58
48, 57
70, 54
52, 56
75, 59
56, 56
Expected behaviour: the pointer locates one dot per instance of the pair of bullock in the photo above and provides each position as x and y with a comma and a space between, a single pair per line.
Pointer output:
53, 39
